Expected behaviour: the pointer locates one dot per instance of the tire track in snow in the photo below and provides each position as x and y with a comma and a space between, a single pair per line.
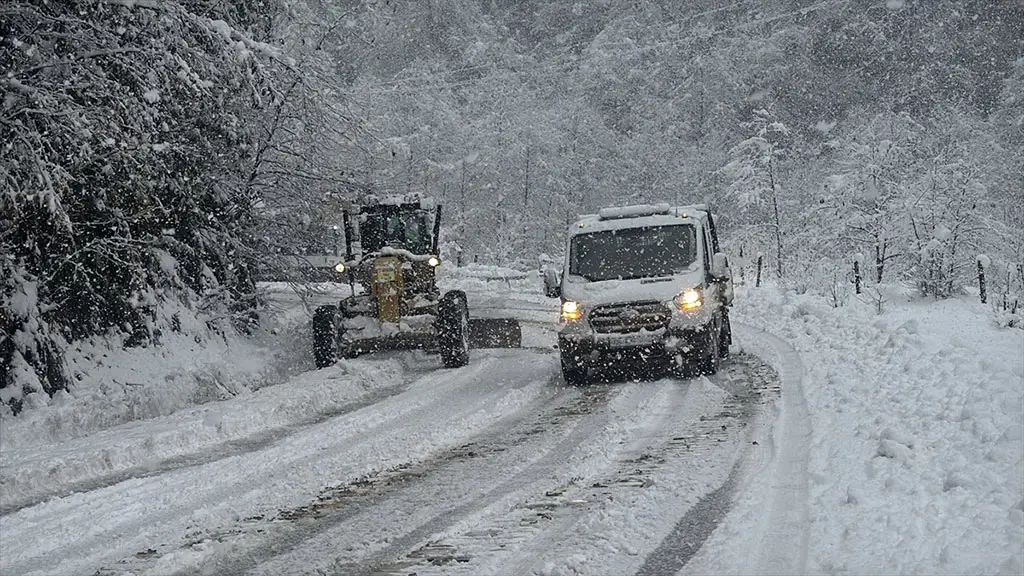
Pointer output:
770, 534
784, 537
444, 491
541, 472
547, 516
354, 507
692, 530
684, 446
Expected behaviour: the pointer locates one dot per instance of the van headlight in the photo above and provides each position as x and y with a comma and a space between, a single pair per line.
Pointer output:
571, 311
689, 299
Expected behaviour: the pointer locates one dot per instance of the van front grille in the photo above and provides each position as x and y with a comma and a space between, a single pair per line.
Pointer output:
630, 317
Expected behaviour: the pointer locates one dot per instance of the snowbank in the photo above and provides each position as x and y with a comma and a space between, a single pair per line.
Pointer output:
484, 279
114, 385
138, 448
916, 461
145, 405
486, 272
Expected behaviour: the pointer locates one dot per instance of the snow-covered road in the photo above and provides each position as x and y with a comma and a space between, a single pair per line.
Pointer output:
834, 441
495, 468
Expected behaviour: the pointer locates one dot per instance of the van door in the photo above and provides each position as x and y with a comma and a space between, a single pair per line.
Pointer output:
714, 233
707, 253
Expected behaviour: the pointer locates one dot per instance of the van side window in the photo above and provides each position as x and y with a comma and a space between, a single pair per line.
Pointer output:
707, 246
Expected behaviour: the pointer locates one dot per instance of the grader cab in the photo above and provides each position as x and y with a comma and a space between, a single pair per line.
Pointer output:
391, 260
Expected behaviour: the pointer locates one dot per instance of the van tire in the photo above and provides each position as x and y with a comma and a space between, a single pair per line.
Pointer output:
572, 372
711, 359
574, 376
725, 340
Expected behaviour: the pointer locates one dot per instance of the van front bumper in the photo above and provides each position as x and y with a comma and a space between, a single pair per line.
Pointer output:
605, 350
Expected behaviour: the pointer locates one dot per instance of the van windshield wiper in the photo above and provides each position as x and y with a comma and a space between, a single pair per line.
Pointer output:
664, 277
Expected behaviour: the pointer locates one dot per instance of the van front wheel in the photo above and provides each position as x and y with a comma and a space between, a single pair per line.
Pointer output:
572, 372
711, 360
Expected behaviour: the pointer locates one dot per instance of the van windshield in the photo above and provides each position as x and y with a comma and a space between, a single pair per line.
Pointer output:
627, 253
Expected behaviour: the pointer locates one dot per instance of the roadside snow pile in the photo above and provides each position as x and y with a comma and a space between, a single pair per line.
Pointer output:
114, 385
486, 279
485, 272
31, 472
291, 304
147, 404
917, 451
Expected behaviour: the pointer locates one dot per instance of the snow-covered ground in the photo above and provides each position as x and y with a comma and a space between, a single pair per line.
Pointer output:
115, 385
916, 461
896, 445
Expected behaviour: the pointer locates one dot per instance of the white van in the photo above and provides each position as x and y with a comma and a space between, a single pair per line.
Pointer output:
643, 284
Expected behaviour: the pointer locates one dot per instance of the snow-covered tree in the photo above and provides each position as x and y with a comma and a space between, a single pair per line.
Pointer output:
755, 179
129, 131
949, 203
866, 193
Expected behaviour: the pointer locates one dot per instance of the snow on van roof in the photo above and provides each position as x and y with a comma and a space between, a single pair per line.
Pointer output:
633, 211
643, 210
617, 218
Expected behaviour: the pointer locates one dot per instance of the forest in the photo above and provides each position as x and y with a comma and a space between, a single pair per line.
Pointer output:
158, 157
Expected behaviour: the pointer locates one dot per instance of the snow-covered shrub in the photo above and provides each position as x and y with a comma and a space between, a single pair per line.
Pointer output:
1011, 318
1005, 291
29, 352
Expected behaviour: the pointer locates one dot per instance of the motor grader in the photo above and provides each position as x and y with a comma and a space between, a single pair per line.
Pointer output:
391, 261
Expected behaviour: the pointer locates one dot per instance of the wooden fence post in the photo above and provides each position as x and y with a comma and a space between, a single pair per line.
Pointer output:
981, 280
742, 275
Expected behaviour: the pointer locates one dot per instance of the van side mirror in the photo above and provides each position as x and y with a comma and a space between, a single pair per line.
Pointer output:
720, 266
552, 283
